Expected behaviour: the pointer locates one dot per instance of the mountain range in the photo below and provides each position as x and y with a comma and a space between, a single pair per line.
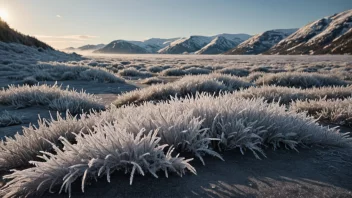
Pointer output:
329, 35
86, 47
261, 42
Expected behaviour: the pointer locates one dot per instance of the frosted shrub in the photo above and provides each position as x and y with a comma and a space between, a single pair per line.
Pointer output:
197, 71
335, 111
30, 80
9, 119
151, 81
100, 75
252, 77
34, 139
286, 95
51, 96
260, 69
134, 73
42, 75
69, 75
132, 139
173, 72
234, 71
92, 157
300, 80
58, 71
155, 69
188, 85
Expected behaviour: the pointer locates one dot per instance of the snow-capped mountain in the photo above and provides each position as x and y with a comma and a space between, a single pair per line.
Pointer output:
341, 45
217, 46
261, 42
186, 45
222, 43
122, 47
69, 49
88, 47
327, 35
154, 44
196, 43
91, 47
237, 38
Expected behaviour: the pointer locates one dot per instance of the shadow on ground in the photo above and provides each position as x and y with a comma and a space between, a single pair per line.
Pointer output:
309, 173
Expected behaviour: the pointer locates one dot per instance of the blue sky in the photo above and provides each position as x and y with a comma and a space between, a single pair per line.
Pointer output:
77, 22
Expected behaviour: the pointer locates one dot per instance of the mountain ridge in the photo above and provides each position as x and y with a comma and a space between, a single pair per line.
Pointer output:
9, 35
317, 35
261, 42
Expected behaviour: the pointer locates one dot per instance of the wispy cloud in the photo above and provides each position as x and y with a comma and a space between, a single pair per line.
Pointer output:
66, 40
60, 41
68, 37
58, 16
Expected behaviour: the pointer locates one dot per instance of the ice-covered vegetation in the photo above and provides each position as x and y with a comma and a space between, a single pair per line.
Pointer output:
166, 122
189, 85
8, 119
335, 111
139, 140
173, 72
286, 95
152, 80
132, 72
54, 71
52, 97
17, 151
300, 80
234, 71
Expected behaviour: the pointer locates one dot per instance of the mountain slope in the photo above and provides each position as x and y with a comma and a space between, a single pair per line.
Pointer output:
319, 37
186, 45
91, 47
154, 44
237, 38
222, 43
8, 35
121, 47
196, 43
341, 45
217, 46
261, 42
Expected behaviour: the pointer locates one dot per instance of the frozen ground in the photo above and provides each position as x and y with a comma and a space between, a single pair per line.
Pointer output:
309, 173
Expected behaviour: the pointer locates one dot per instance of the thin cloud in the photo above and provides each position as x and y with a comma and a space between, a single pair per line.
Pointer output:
58, 16
68, 37
68, 40
60, 41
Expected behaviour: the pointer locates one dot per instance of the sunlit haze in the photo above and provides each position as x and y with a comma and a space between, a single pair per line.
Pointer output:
4, 14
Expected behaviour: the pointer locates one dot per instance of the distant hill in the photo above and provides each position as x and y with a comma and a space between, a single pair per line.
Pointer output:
222, 43
329, 35
88, 47
91, 47
261, 42
122, 47
69, 49
153, 45
211, 44
186, 45
8, 35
